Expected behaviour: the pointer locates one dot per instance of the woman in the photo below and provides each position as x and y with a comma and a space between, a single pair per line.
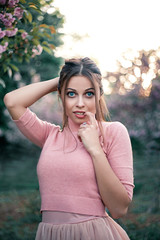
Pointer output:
84, 167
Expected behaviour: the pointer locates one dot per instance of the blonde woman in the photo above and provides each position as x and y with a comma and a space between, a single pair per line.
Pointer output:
86, 166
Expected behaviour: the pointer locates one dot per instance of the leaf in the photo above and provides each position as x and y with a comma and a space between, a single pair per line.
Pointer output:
15, 68
36, 42
52, 29
2, 83
41, 34
34, 3
22, 1
47, 35
21, 30
32, 6
44, 26
37, 10
45, 43
28, 16
34, 30
48, 50
52, 46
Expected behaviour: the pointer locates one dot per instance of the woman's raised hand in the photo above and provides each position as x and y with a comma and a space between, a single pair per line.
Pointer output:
88, 132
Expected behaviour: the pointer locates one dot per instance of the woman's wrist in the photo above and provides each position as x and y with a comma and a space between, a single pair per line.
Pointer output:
96, 152
54, 83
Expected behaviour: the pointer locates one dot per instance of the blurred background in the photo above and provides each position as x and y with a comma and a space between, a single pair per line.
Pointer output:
123, 38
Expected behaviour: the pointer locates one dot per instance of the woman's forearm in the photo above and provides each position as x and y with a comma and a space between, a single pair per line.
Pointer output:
18, 100
113, 193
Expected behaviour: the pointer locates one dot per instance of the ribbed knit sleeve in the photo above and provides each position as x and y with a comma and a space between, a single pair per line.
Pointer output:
33, 128
119, 154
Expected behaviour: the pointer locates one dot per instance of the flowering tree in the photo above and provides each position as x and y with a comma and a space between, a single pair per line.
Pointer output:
27, 32
17, 44
140, 114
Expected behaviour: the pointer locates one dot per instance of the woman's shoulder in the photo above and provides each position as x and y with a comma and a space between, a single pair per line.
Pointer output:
113, 125
114, 128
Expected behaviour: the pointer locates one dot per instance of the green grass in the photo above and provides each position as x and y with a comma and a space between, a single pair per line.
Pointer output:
19, 194
20, 199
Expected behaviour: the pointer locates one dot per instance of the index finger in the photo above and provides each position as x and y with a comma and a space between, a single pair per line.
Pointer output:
91, 117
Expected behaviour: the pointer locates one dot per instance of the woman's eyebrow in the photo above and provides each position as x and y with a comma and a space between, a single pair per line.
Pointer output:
71, 89
88, 89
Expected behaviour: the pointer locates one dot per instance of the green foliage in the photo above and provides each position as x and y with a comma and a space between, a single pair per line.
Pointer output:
19, 196
151, 232
24, 224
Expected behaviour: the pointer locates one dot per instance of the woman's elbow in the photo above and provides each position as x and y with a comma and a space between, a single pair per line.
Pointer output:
119, 213
121, 210
8, 101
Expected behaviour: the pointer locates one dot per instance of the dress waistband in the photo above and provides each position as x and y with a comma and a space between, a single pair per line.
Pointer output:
56, 217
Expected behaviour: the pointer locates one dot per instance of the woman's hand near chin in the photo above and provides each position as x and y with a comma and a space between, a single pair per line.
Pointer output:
89, 135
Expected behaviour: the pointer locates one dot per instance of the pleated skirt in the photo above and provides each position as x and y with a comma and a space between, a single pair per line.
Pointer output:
102, 228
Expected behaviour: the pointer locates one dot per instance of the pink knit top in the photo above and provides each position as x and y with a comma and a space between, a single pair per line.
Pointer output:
65, 169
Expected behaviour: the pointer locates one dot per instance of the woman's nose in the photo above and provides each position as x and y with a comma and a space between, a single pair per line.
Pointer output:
80, 102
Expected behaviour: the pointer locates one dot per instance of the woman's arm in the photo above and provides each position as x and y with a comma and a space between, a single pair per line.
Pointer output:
112, 191
18, 100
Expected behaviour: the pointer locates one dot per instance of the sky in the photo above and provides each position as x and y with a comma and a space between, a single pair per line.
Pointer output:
108, 28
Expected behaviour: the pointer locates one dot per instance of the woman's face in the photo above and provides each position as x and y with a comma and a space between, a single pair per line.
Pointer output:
79, 98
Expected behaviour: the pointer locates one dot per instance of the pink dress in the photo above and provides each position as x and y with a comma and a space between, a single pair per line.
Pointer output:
76, 212
69, 226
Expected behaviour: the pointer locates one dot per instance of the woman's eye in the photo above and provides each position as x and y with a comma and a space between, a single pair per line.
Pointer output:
89, 94
71, 94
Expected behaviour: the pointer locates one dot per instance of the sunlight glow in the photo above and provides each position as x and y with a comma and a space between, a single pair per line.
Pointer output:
106, 88
128, 85
137, 72
110, 28
132, 78
147, 79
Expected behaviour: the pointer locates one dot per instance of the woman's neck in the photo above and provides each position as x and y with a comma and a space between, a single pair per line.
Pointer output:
74, 127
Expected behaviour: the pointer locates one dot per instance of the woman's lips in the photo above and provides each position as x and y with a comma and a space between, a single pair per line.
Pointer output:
80, 114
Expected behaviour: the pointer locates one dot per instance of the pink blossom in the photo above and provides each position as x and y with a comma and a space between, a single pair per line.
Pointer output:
2, 2
2, 16
37, 51
2, 33
24, 35
3, 48
11, 33
18, 12
7, 19
12, 3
